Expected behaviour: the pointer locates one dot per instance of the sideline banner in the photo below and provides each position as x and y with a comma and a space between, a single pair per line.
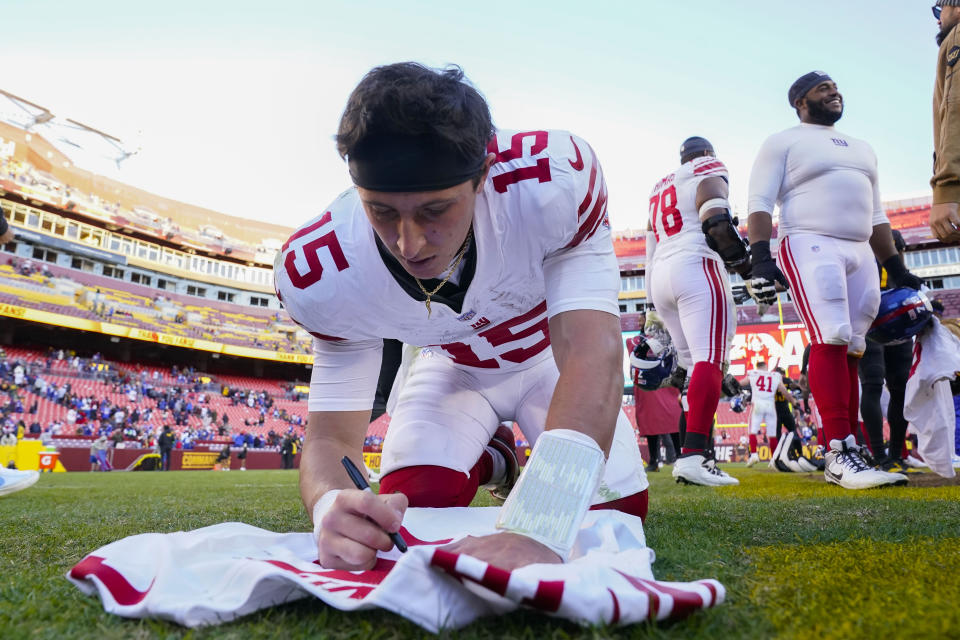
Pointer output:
779, 345
195, 460
372, 460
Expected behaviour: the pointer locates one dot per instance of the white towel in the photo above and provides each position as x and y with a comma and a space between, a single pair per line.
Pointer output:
928, 403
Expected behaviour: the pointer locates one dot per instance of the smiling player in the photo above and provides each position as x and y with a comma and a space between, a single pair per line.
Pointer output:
832, 225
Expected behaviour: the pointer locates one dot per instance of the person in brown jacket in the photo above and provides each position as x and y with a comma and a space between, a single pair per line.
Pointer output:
944, 216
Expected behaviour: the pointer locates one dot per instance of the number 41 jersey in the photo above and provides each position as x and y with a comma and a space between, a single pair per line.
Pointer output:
763, 385
674, 218
543, 246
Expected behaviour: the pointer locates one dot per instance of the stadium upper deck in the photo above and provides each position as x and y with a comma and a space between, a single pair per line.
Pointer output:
38, 171
102, 256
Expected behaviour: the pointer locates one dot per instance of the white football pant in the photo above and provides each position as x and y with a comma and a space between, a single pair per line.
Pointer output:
444, 415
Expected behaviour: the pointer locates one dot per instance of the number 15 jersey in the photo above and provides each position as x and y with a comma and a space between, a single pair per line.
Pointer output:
543, 246
674, 218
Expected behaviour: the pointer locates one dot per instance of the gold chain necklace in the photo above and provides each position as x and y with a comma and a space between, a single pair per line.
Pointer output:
453, 267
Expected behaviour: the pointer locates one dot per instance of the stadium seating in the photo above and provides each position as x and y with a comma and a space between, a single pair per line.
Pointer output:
20, 177
141, 307
62, 372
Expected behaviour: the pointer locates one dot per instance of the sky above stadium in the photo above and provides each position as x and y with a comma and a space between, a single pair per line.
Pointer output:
234, 104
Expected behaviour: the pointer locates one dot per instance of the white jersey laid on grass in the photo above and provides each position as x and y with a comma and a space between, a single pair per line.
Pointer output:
763, 385
542, 247
219, 573
674, 218
824, 181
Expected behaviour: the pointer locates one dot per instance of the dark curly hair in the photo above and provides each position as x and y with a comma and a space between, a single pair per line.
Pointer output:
408, 98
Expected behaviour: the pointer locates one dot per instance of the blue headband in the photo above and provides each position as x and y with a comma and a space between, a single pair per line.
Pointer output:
804, 83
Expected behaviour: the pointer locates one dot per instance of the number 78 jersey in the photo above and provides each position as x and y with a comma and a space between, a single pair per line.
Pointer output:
674, 218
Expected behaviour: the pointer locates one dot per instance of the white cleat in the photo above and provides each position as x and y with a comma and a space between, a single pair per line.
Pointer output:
915, 462
12, 480
754, 459
727, 479
845, 466
691, 470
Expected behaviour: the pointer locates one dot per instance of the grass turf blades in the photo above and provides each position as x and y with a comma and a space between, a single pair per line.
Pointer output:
799, 558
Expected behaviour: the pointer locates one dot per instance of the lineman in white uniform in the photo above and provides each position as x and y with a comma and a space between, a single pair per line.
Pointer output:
763, 390
492, 251
832, 225
691, 241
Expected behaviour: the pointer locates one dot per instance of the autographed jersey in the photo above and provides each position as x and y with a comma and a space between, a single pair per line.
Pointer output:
543, 246
674, 218
764, 385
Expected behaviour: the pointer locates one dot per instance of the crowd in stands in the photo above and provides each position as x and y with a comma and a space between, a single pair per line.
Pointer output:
28, 268
60, 394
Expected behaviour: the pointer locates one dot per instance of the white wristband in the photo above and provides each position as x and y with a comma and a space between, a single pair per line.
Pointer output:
555, 489
713, 203
320, 509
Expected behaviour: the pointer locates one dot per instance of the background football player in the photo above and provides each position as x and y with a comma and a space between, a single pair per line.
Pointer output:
692, 240
832, 225
764, 387
890, 363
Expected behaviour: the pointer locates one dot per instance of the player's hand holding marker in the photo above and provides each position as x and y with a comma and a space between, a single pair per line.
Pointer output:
766, 275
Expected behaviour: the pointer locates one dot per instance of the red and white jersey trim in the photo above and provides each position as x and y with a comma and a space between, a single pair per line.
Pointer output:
608, 580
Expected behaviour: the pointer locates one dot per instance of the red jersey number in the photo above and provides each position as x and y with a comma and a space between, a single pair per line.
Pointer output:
311, 252
764, 383
665, 203
503, 334
540, 171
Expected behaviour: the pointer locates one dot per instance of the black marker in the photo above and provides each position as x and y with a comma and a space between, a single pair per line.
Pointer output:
361, 483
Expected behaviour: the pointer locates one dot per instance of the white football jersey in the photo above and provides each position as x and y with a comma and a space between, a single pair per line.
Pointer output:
824, 181
543, 246
674, 218
763, 385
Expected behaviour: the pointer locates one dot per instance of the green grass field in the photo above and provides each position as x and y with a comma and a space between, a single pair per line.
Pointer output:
799, 558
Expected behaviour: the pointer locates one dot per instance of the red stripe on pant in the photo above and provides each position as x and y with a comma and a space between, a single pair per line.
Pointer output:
713, 307
720, 311
803, 304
